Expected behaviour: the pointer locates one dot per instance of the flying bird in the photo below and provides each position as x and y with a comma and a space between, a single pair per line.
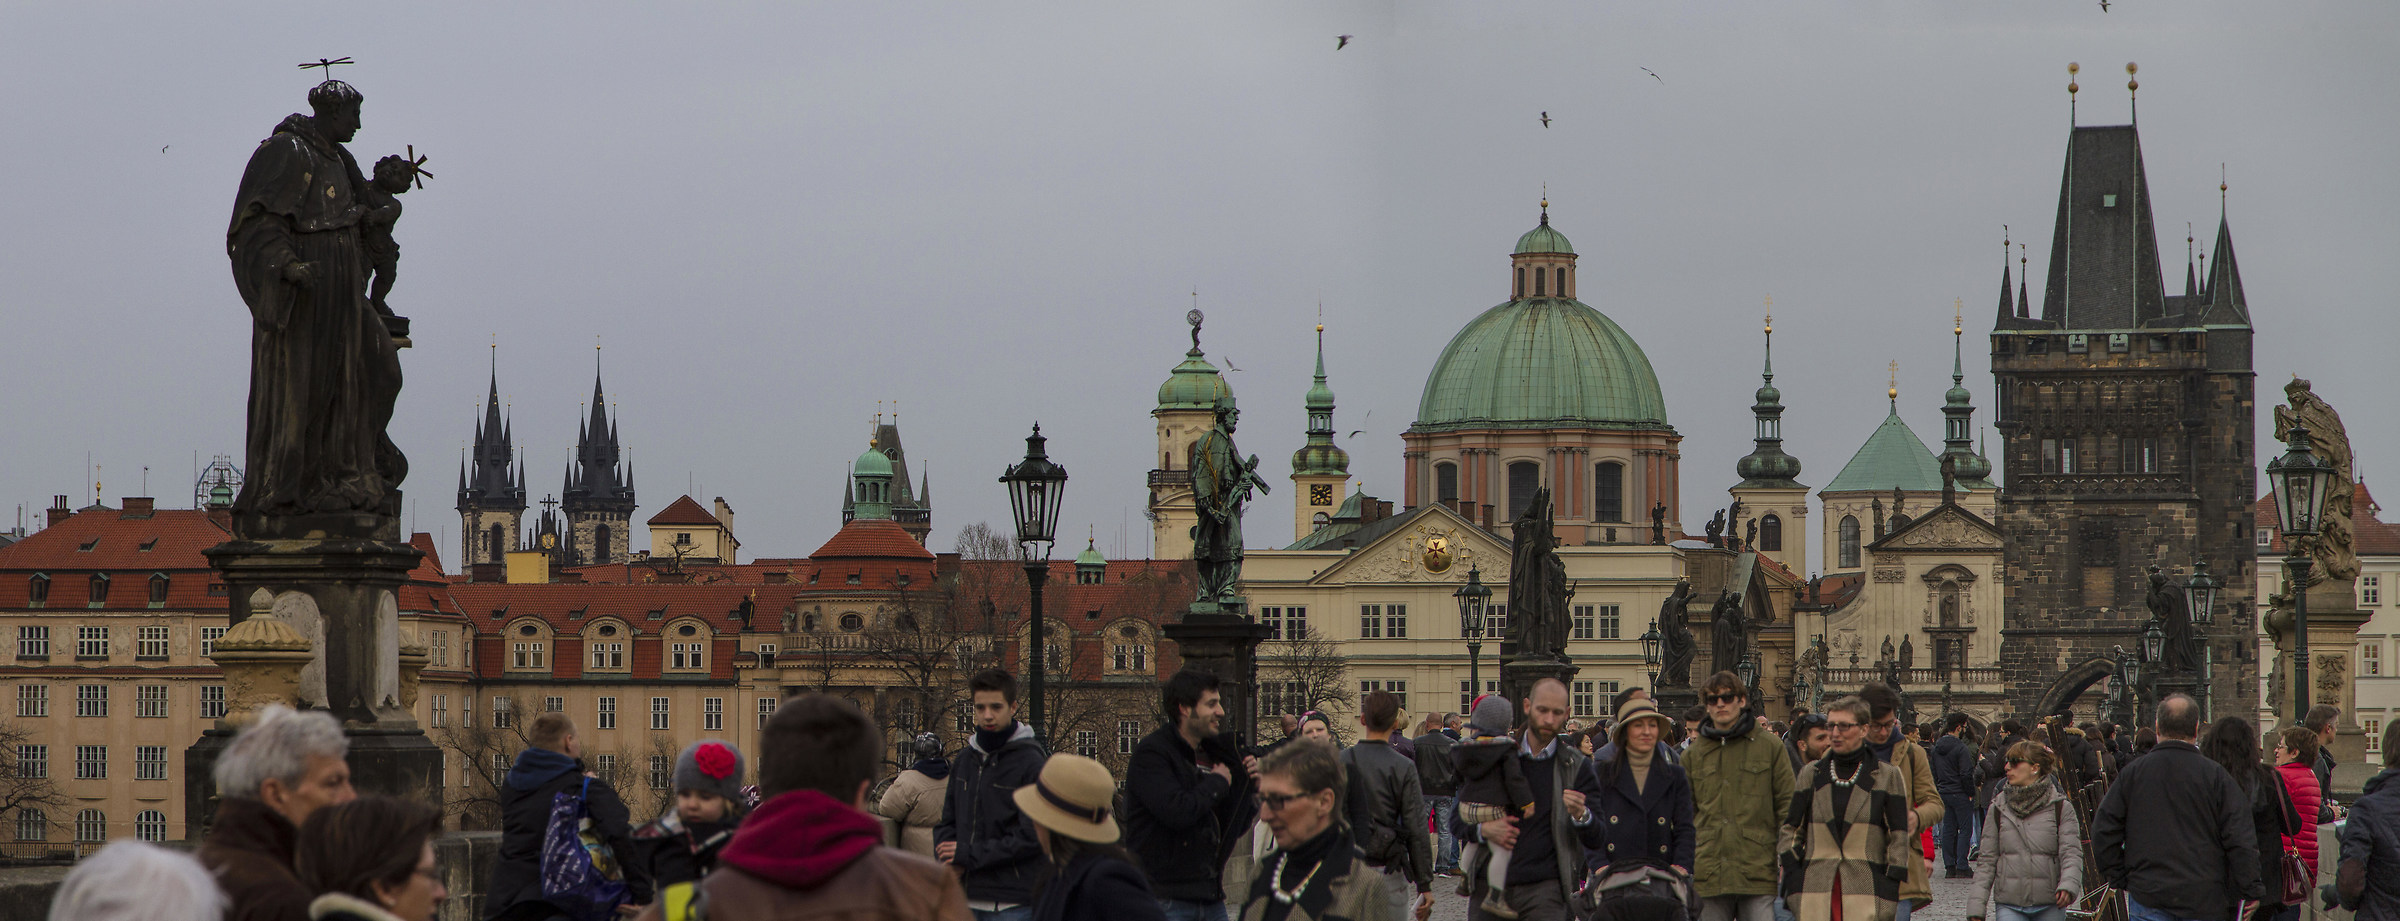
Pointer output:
1662, 80
2103, 6
1340, 42
1545, 119
163, 148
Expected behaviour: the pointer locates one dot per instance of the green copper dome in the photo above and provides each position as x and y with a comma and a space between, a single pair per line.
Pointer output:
1542, 239
1893, 456
1194, 384
1541, 362
1090, 556
872, 463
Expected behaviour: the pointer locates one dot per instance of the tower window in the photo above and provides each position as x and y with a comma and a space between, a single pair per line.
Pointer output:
1609, 486
1523, 478
1445, 483
500, 547
1770, 532
1848, 552
1562, 282
1520, 282
1539, 276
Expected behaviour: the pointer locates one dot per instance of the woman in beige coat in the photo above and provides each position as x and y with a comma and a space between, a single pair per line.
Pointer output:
913, 803
2030, 865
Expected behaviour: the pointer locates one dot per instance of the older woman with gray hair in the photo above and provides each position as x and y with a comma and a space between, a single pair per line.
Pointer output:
286, 765
138, 881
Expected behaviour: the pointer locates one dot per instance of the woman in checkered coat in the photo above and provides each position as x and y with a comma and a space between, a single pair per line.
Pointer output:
1845, 844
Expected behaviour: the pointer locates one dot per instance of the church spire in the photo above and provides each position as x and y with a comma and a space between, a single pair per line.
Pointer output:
1958, 411
1320, 456
2007, 312
1767, 465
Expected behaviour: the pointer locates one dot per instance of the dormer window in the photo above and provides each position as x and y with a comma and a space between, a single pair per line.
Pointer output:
158, 590
99, 589
37, 589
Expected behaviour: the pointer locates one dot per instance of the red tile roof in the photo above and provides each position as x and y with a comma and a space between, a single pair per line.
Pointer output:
872, 538
119, 541
684, 511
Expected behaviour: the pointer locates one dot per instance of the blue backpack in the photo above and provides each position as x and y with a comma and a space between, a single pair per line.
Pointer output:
580, 875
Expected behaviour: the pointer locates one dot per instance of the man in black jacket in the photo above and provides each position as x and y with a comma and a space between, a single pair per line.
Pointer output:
1954, 778
1184, 796
981, 833
1386, 805
2175, 832
1439, 780
552, 766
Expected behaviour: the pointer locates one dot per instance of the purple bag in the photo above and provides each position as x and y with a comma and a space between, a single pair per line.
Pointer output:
580, 876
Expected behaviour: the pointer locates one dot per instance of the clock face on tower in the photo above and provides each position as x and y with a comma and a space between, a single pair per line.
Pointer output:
1320, 494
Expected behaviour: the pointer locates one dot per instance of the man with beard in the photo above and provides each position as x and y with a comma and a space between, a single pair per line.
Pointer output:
1185, 791
1547, 846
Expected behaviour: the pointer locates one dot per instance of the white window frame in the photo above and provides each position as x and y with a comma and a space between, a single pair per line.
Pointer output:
212, 701
32, 824
150, 642
766, 711
2370, 589
608, 713
150, 825
210, 635
149, 762
150, 701
33, 700
33, 761
91, 762
33, 642
91, 701
91, 642
659, 713
1129, 732
91, 826
662, 773
1370, 621
1087, 743
712, 714
441, 710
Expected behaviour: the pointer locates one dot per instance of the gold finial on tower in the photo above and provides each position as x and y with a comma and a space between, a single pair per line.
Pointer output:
1958, 316
1770, 314
1892, 391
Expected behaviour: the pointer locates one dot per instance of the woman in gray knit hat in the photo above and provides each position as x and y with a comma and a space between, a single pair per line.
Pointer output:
912, 805
682, 845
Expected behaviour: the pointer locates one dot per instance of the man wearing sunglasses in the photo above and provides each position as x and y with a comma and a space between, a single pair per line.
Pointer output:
1741, 791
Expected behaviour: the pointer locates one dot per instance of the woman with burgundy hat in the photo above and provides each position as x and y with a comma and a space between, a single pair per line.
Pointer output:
1090, 877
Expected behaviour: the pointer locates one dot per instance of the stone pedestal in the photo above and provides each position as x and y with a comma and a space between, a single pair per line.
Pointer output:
1222, 640
1517, 677
1673, 701
341, 595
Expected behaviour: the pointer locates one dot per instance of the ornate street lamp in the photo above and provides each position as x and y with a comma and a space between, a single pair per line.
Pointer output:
2154, 643
1473, 597
2200, 594
1035, 486
1748, 672
1650, 655
2300, 482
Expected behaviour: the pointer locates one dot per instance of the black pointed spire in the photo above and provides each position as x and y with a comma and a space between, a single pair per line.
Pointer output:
2007, 313
2104, 271
484, 481
2024, 312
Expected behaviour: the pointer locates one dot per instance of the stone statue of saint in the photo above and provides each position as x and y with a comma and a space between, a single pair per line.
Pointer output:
2331, 549
1716, 529
1537, 585
1888, 653
1221, 482
1908, 652
1728, 632
2180, 653
1658, 524
1878, 506
324, 367
1899, 502
1750, 534
1677, 647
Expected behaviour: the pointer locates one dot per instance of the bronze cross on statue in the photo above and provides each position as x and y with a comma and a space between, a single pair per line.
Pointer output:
416, 167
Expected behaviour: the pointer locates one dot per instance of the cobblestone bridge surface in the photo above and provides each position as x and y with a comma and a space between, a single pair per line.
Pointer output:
1949, 901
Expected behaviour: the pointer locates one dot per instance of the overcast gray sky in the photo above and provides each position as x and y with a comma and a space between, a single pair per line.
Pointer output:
775, 215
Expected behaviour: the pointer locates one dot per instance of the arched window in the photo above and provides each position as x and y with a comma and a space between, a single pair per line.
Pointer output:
500, 543
1523, 478
602, 550
1520, 282
1445, 483
37, 589
1539, 277
99, 588
1770, 532
1608, 480
151, 825
91, 825
1849, 542
158, 588
1562, 281
1318, 521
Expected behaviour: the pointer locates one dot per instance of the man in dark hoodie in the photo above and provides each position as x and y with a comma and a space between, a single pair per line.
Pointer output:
810, 850
1954, 778
982, 835
552, 766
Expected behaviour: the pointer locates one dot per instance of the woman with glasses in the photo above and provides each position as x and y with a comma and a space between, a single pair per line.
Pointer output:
2030, 867
372, 858
1315, 874
1846, 843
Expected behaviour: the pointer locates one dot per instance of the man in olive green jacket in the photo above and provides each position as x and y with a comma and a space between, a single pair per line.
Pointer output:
1741, 780
1924, 802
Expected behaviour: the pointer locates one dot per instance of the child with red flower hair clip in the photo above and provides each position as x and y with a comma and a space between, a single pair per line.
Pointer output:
682, 845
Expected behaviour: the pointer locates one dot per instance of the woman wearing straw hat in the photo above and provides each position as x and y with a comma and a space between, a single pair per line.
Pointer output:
1644, 811
1316, 873
1091, 878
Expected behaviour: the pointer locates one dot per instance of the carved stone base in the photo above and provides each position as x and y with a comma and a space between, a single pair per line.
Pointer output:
1220, 639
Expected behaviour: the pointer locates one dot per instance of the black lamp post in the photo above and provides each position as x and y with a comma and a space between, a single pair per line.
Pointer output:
1748, 672
1473, 598
1034, 488
1650, 657
2154, 643
2129, 675
2300, 482
2200, 598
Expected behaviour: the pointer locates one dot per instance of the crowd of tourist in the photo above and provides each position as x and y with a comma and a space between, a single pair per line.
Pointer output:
1710, 814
